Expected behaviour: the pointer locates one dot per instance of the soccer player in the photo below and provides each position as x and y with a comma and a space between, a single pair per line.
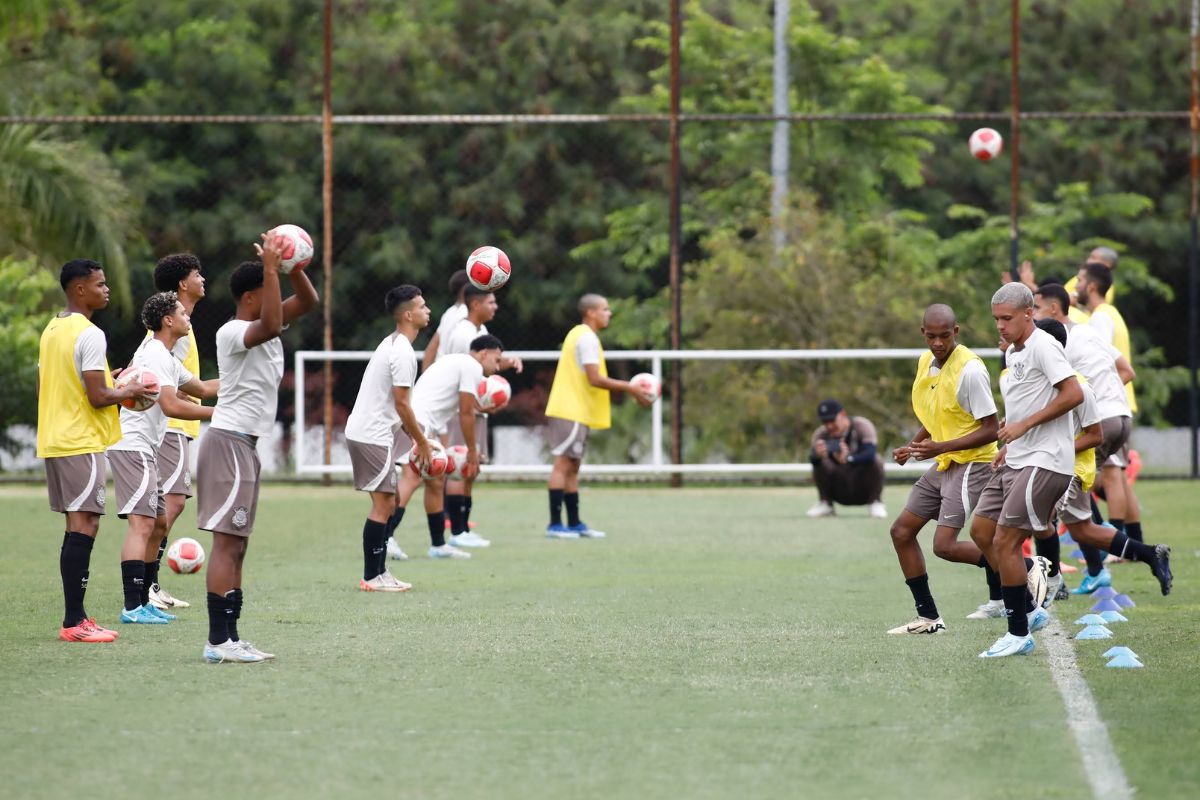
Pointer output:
373, 428
77, 421
580, 402
952, 398
1035, 466
1104, 256
250, 366
134, 459
449, 318
481, 309
446, 392
179, 273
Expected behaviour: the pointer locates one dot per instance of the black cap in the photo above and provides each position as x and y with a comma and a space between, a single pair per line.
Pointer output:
828, 410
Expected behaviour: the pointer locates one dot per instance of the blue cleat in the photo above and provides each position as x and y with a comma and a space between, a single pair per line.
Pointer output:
142, 615
158, 612
1091, 583
1038, 619
1009, 645
582, 530
559, 531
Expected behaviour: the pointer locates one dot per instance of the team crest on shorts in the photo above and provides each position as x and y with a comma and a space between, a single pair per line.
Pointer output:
153, 500
187, 480
100, 495
240, 517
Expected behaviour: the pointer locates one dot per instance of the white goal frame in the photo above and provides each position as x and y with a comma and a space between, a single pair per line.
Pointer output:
658, 465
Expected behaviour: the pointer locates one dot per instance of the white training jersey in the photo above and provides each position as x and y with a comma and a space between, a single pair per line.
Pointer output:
143, 431
1086, 413
461, 335
974, 390
450, 318
435, 398
374, 418
1096, 360
90, 351
1027, 388
249, 381
587, 349
1104, 326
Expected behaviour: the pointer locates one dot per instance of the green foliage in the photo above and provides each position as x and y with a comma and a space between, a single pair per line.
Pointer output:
24, 297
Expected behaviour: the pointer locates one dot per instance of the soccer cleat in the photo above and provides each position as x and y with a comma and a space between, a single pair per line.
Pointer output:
448, 551
821, 509
586, 532
109, 631
158, 612
1061, 592
86, 631
250, 648
161, 599
1035, 580
393, 550
877, 510
230, 652
920, 625
1091, 583
1009, 645
142, 615
384, 582
1038, 619
469, 539
992, 609
1161, 567
557, 530
1054, 590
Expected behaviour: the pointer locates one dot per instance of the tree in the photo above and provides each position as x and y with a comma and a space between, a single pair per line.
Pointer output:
25, 293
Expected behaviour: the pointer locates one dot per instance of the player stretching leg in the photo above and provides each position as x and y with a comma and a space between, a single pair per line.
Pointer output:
250, 364
77, 421
952, 397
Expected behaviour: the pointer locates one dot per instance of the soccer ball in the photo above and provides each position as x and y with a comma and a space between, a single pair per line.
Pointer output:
493, 393
147, 379
647, 382
441, 465
986, 144
185, 556
459, 453
297, 247
488, 268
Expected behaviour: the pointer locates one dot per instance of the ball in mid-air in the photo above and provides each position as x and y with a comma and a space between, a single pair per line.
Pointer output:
297, 247
144, 377
493, 392
439, 466
648, 383
488, 268
185, 556
985, 144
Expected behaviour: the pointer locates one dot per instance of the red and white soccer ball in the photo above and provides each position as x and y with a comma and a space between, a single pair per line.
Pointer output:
488, 268
144, 377
185, 556
986, 144
459, 453
297, 247
440, 466
648, 383
493, 392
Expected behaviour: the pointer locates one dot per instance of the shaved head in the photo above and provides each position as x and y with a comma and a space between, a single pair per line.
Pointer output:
1105, 255
939, 314
590, 301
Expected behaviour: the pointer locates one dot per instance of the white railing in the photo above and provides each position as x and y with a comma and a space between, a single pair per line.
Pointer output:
658, 464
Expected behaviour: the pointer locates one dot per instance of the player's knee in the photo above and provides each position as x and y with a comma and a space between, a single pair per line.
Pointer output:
942, 548
901, 533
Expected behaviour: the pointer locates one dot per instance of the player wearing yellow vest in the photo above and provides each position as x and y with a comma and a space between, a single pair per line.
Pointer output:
1104, 256
580, 402
179, 273
952, 398
77, 421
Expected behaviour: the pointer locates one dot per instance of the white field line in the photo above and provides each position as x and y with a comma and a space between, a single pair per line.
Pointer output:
1100, 763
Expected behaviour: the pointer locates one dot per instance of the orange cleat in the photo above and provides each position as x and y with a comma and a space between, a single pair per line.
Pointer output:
86, 631
110, 632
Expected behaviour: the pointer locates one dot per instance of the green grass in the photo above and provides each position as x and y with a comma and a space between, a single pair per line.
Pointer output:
717, 645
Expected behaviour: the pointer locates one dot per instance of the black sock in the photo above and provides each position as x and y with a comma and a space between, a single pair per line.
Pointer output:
1117, 523
133, 578
151, 574
1094, 558
1015, 602
218, 618
162, 548
146, 583
556, 504
993, 582
73, 562
393, 523
374, 544
919, 586
454, 510
571, 499
1050, 549
437, 529
234, 598
1134, 531
1127, 547
1097, 517
466, 514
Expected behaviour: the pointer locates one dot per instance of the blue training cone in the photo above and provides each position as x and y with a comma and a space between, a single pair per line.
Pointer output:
1103, 592
1114, 616
1124, 601
1106, 605
1066, 539
1094, 632
1077, 555
1116, 651
1090, 619
1125, 660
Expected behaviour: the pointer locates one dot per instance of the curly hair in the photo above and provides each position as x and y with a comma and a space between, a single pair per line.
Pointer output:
156, 307
172, 269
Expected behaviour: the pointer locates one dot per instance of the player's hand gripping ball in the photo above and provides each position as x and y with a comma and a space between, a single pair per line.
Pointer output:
185, 556
441, 465
647, 383
985, 144
146, 378
297, 248
488, 268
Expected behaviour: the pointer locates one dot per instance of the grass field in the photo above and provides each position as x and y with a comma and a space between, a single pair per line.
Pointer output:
718, 644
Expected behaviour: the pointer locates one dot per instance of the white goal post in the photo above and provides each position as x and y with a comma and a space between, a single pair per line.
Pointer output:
658, 465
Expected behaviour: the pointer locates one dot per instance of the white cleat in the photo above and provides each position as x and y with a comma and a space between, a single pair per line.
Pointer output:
920, 625
1009, 645
254, 651
384, 582
877, 510
393, 550
1036, 581
448, 551
161, 599
821, 509
992, 609
469, 539
1054, 589
230, 652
